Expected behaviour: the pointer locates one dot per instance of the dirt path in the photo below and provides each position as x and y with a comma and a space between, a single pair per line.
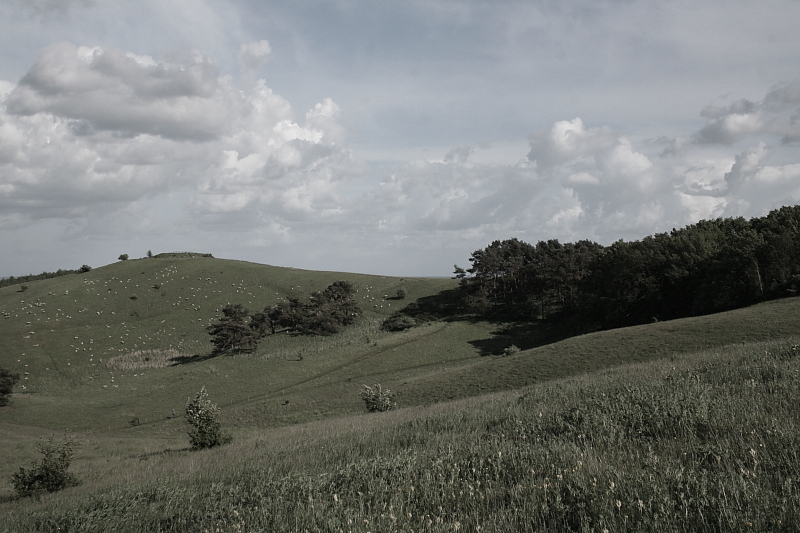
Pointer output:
277, 392
331, 370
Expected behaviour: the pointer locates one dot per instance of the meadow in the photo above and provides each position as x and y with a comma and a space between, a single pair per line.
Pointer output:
686, 425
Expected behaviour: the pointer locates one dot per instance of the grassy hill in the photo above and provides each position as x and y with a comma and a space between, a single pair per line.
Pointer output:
98, 350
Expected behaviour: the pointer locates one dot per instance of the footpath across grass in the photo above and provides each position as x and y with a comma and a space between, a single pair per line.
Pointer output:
708, 441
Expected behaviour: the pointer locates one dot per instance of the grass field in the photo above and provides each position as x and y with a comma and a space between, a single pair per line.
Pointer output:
620, 429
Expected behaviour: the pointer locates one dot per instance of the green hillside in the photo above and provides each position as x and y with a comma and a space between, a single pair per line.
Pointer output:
111, 354
109, 338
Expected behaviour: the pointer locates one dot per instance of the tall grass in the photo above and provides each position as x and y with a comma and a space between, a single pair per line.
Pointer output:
141, 359
706, 442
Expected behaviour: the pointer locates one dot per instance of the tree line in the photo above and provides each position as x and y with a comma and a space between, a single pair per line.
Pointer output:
16, 280
707, 267
325, 313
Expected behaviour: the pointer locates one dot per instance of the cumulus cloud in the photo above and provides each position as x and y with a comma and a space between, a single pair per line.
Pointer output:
601, 169
109, 90
115, 142
88, 131
253, 55
777, 114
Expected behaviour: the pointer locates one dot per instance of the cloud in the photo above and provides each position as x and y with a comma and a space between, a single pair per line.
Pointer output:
109, 90
746, 165
253, 55
88, 132
44, 8
777, 114
110, 144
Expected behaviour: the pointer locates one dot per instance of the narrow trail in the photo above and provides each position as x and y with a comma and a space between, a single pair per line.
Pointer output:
277, 392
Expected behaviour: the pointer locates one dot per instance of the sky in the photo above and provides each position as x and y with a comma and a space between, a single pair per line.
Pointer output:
390, 138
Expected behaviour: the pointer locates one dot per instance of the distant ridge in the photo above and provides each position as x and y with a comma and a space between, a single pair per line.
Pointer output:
172, 255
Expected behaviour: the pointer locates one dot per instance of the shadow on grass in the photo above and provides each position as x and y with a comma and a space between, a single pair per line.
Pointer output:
444, 305
523, 335
447, 306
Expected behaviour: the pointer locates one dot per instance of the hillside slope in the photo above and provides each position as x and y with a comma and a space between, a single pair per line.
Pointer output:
127, 342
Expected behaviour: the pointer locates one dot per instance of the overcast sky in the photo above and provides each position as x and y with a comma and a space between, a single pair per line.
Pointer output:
385, 137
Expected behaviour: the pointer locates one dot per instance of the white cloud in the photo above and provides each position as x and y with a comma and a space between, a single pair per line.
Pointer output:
253, 55
111, 144
109, 90
87, 132
777, 114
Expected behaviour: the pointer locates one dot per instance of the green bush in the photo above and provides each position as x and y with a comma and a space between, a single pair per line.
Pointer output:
401, 293
123, 257
398, 322
84, 269
7, 381
511, 350
206, 431
50, 474
377, 399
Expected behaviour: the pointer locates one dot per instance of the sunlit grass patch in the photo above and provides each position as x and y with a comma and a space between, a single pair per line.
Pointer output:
141, 359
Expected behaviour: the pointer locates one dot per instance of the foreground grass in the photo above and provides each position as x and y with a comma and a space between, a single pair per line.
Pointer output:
702, 442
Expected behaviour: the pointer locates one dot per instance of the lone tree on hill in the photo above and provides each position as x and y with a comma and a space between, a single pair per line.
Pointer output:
123, 257
7, 381
231, 333
206, 431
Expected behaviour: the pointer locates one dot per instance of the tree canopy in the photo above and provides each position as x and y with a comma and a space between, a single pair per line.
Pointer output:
710, 266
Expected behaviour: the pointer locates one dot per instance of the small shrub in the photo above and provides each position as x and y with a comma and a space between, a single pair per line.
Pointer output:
23, 288
123, 257
398, 322
149, 253
511, 350
206, 431
7, 381
84, 269
377, 399
50, 474
401, 293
